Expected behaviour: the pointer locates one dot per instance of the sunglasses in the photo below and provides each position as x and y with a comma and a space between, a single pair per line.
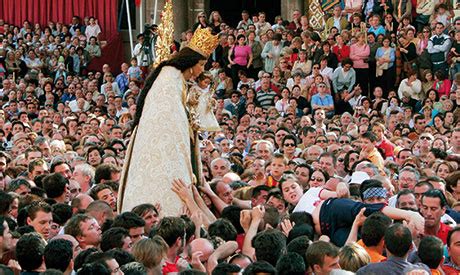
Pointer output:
321, 86
425, 137
316, 179
289, 144
344, 142
321, 141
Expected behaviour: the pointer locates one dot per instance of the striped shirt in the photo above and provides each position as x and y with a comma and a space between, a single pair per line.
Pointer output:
265, 99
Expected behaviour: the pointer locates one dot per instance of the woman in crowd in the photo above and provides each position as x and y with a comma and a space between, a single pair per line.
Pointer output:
256, 49
215, 20
240, 58
201, 21
359, 54
271, 52
386, 70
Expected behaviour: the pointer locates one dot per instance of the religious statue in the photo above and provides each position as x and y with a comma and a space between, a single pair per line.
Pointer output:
163, 146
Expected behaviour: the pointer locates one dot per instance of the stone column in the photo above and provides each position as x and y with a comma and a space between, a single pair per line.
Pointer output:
287, 6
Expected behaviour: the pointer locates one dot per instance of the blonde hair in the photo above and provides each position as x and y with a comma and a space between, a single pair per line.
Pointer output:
150, 252
352, 257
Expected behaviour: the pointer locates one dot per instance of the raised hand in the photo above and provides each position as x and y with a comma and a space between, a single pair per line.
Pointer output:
182, 190
245, 219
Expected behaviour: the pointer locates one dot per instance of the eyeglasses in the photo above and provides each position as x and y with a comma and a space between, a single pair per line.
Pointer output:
321, 86
54, 226
262, 123
75, 190
315, 67
408, 179
289, 144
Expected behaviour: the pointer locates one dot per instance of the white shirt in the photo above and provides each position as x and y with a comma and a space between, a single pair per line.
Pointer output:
413, 91
355, 101
309, 200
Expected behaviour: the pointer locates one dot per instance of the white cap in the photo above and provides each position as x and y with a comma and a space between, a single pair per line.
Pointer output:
358, 177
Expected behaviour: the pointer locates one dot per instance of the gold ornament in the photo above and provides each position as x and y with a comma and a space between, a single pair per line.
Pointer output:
316, 15
203, 42
165, 34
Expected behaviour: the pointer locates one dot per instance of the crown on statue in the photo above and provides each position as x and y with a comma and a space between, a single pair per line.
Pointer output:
203, 42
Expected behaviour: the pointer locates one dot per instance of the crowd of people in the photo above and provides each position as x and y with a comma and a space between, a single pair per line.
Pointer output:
338, 149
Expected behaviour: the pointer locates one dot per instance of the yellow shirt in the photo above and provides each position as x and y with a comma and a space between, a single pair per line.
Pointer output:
376, 158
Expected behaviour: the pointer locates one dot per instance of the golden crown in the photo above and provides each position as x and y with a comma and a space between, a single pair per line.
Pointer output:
203, 42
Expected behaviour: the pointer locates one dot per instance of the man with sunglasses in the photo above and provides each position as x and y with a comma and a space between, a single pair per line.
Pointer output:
323, 100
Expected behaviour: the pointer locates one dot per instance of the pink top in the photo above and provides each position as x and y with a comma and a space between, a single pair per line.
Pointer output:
242, 54
358, 54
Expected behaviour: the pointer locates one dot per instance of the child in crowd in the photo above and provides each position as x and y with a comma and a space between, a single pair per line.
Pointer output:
134, 71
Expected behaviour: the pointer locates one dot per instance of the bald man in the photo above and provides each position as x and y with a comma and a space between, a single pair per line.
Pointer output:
200, 245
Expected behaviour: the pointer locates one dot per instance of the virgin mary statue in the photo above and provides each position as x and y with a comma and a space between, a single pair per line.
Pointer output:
160, 147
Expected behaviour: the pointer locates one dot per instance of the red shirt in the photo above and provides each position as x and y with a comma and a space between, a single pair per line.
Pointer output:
443, 231
450, 270
271, 182
240, 240
341, 53
443, 87
170, 267
387, 147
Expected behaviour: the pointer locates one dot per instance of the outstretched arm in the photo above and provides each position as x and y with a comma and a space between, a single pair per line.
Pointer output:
185, 194
414, 219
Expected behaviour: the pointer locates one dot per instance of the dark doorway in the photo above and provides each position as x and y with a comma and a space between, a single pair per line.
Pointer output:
230, 10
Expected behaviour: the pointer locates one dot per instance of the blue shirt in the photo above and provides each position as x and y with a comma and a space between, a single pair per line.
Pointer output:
377, 31
123, 82
322, 101
381, 51
392, 266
